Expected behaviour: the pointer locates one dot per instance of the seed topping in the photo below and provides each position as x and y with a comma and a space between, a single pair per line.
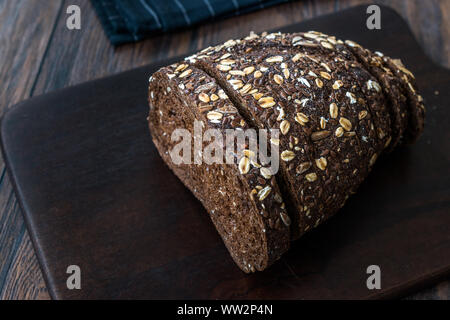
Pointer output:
181, 67
337, 84
266, 102
284, 127
249, 70
285, 218
351, 96
303, 167
304, 82
319, 135
287, 155
224, 68
244, 165
334, 110
311, 177
362, 114
263, 193
214, 115
265, 172
227, 62
345, 123
327, 45
319, 83
373, 85
321, 163
325, 75
185, 73
339, 132
237, 73
203, 97
274, 59
301, 118
245, 89
278, 79
323, 123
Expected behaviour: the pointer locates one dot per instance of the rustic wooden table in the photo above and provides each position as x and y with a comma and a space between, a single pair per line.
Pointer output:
39, 54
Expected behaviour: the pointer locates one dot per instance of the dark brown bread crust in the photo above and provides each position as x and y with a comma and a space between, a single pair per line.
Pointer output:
253, 227
338, 107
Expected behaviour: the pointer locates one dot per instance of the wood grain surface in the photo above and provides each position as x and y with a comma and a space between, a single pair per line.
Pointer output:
39, 54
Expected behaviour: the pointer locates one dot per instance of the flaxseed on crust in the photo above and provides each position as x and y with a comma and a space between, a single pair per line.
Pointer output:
337, 106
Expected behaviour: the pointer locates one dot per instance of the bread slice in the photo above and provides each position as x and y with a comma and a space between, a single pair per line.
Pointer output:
255, 98
245, 206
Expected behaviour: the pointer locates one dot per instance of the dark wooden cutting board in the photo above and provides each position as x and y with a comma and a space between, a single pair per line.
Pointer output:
95, 193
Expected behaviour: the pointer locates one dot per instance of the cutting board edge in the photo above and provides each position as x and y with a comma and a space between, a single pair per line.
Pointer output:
18, 194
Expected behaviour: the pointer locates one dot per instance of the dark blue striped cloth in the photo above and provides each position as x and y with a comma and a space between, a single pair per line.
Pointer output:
132, 20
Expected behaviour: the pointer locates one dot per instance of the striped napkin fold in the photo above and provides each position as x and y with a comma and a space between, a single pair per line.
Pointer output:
133, 20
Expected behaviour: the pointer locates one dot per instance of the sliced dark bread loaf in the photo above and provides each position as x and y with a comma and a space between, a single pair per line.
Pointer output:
248, 79
253, 224
337, 105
